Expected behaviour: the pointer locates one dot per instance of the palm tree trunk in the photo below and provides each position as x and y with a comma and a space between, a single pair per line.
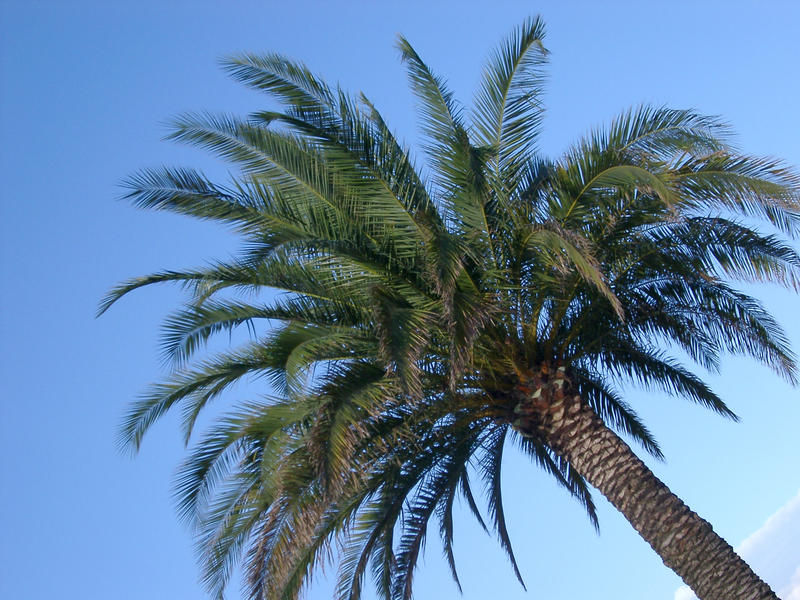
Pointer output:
686, 543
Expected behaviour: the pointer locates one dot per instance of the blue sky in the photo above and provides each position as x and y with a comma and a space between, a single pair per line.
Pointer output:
84, 91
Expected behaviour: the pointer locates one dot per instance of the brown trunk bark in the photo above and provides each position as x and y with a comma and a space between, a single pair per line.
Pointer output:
549, 408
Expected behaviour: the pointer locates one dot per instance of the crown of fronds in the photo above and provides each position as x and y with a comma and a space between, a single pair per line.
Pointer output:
392, 314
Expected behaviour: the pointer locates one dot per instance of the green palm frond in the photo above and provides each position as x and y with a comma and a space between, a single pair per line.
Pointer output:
187, 330
442, 122
742, 185
460, 167
490, 465
290, 81
509, 106
569, 252
189, 279
185, 191
661, 134
195, 388
652, 368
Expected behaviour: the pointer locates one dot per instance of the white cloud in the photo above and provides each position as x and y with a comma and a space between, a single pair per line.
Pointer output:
773, 551
684, 593
792, 591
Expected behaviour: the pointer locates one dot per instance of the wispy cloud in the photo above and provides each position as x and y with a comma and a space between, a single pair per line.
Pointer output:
773, 551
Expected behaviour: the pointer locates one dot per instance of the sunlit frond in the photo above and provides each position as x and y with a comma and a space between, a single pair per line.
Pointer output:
509, 106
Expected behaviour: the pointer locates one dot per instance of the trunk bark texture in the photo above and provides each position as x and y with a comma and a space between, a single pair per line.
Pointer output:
550, 409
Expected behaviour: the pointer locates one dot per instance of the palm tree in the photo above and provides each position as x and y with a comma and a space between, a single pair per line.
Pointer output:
421, 322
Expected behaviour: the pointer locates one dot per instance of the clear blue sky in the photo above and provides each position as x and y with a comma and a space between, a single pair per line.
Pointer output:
84, 88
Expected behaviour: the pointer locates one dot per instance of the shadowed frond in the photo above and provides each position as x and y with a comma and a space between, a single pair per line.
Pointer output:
490, 465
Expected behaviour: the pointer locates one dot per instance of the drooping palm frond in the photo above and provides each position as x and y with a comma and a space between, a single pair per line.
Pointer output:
491, 466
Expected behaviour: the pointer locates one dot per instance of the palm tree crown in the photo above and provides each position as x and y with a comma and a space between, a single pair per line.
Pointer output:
415, 311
